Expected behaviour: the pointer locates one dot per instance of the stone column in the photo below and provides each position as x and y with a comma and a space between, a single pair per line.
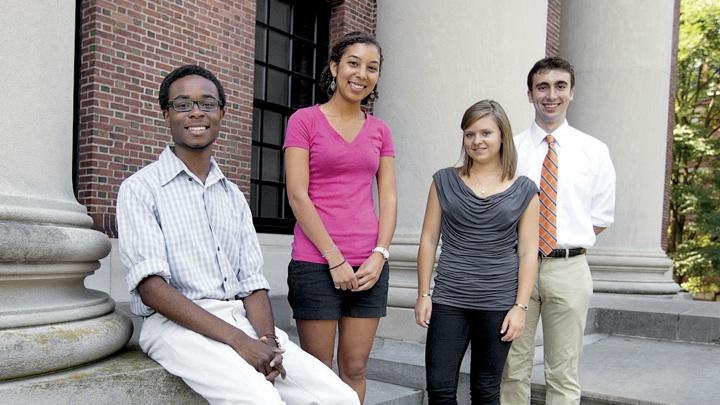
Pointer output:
440, 59
622, 54
48, 320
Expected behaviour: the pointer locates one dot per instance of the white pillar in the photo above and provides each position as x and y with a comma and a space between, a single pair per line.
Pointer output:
441, 57
48, 320
621, 51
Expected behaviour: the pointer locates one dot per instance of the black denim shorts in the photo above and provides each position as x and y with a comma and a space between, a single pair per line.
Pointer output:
313, 296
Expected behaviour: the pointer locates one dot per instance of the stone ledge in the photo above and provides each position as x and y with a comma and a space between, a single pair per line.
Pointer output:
128, 377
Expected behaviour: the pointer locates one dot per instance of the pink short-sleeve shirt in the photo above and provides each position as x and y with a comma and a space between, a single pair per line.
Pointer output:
341, 182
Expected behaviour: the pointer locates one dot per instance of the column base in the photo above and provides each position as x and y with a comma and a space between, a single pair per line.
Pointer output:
631, 272
41, 349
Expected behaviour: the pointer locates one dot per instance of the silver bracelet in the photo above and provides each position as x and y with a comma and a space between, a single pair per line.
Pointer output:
327, 252
523, 307
427, 294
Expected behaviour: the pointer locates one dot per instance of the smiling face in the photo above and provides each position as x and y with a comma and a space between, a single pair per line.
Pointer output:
357, 72
482, 140
551, 94
193, 130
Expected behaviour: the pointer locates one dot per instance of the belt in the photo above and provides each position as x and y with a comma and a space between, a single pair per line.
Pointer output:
565, 253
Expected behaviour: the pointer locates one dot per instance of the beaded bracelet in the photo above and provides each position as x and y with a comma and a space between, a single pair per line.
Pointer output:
273, 337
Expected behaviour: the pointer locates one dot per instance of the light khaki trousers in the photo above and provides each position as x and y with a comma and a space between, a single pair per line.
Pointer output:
561, 297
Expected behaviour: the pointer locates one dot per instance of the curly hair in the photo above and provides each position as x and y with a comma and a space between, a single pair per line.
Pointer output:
336, 54
181, 72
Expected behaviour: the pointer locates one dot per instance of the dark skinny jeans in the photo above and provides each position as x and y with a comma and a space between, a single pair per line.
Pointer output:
451, 330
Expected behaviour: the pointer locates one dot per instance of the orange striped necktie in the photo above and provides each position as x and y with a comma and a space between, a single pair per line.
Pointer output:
548, 198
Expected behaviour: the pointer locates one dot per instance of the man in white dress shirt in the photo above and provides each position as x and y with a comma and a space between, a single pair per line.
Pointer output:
584, 193
195, 267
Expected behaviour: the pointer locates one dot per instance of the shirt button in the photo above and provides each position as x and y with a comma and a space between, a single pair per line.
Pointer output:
189, 178
225, 278
218, 248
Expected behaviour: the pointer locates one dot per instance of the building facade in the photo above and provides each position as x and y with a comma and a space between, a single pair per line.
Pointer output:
91, 71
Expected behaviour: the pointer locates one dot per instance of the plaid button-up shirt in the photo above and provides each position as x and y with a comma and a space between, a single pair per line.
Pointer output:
198, 237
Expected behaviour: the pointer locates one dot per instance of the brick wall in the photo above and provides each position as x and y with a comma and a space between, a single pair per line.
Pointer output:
552, 36
352, 15
128, 46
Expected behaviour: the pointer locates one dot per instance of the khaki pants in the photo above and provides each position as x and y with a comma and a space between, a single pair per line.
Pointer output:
561, 297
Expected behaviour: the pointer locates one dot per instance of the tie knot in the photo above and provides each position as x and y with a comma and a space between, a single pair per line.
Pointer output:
549, 139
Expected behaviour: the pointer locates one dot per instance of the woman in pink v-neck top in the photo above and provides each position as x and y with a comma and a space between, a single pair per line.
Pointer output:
341, 182
334, 154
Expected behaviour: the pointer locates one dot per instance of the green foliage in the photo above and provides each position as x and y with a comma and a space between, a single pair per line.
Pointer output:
694, 223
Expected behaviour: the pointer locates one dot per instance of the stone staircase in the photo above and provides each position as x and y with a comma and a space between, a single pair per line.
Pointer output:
638, 350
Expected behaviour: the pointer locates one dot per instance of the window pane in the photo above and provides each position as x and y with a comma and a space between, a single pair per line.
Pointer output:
260, 33
261, 13
272, 128
323, 28
271, 164
257, 114
259, 82
277, 87
269, 197
255, 163
304, 22
280, 15
303, 57
279, 50
253, 199
302, 92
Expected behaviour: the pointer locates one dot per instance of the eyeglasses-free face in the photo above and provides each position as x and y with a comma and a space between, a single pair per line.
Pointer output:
207, 104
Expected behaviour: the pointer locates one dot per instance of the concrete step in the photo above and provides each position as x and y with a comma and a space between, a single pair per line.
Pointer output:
614, 370
380, 393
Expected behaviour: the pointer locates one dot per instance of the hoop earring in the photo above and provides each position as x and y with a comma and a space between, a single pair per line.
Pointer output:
333, 86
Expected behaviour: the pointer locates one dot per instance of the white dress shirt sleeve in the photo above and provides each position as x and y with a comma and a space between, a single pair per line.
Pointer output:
141, 241
602, 208
250, 271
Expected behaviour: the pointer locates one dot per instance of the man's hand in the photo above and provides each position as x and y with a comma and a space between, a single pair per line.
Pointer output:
275, 368
255, 352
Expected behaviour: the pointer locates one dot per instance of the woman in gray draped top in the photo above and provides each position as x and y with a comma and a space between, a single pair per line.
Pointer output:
488, 221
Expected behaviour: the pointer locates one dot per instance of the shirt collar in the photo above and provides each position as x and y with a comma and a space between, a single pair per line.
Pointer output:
170, 166
537, 134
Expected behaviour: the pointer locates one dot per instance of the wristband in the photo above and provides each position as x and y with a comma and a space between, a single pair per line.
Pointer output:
521, 306
427, 294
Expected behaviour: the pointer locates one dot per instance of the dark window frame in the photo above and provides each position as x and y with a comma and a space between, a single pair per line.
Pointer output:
280, 219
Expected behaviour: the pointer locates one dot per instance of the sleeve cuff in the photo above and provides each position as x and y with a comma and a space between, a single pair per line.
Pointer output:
250, 284
144, 269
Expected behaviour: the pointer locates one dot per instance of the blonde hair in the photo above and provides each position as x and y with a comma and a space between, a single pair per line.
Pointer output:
508, 154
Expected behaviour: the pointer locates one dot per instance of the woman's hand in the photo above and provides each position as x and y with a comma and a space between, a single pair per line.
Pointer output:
343, 275
513, 324
423, 311
369, 272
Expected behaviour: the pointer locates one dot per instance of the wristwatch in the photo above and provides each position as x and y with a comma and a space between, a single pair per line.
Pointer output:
384, 252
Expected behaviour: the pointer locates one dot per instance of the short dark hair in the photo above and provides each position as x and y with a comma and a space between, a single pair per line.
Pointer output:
551, 63
336, 54
181, 72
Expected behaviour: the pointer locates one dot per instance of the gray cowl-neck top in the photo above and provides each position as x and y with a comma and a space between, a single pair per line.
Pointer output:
478, 266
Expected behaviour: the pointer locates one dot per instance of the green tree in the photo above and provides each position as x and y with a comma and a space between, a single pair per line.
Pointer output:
694, 223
